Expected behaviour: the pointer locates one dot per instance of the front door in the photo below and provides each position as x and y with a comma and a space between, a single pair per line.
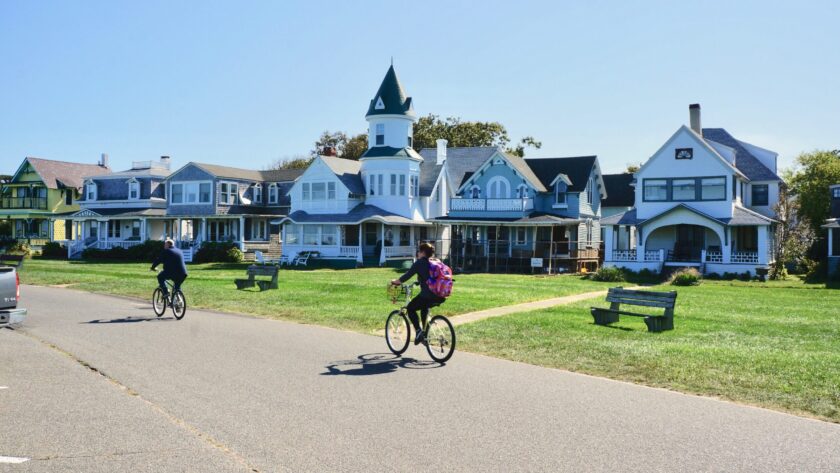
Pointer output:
691, 240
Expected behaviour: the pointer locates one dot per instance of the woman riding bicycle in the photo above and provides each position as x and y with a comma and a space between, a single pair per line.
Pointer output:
426, 299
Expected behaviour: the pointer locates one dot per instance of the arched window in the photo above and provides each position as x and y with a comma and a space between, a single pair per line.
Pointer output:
475, 192
133, 189
272, 194
522, 191
90, 191
498, 188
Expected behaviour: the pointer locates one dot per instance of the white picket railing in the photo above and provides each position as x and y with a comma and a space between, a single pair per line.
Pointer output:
492, 205
713, 257
107, 245
398, 251
624, 255
348, 251
744, 257
653, 255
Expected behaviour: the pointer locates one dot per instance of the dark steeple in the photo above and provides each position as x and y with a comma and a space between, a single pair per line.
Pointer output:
390, 99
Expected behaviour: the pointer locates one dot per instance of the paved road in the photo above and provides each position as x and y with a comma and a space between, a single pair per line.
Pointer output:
220, 392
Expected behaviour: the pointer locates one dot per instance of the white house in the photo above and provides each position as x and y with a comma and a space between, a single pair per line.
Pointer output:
704, 199
375, 209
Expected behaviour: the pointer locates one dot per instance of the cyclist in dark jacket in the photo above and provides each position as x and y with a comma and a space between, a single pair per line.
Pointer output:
426, 299
173, 267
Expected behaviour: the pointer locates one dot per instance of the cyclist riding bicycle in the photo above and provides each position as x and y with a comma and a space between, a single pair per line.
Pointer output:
426, 299
174, 268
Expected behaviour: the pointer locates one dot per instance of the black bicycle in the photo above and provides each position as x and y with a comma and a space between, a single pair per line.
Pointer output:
175, 300
439, 333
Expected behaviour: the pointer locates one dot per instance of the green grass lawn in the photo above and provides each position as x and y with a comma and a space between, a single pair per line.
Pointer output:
347, 299
774, 344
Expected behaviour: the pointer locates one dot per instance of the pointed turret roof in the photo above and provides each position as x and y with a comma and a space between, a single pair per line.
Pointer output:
390, 99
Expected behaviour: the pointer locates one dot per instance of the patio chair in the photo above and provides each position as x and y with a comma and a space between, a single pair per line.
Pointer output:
258, 256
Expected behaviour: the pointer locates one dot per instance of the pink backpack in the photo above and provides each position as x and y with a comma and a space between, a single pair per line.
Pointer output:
440, 278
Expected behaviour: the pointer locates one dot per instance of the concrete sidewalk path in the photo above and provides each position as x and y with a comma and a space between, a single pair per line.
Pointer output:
470, 317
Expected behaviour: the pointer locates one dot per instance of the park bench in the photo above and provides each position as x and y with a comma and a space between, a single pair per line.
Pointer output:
254, 271
655, 323
11, 260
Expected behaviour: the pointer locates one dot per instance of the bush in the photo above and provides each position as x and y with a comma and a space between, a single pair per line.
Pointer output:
19, 248
686, 277
713, 276
53, 250
608, 274
218, 252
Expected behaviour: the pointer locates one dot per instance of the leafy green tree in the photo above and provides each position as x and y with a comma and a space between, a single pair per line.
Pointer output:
809, 182
295, 162
793, 235
429, 129
346, 146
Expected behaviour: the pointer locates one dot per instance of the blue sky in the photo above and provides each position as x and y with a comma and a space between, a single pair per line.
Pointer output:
245, 83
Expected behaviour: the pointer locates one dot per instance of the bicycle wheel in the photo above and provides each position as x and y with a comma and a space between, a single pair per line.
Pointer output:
179, 305
397, 332
440, 339
158, 302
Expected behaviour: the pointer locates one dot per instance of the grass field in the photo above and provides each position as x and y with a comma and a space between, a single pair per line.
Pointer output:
348, 299
774, 344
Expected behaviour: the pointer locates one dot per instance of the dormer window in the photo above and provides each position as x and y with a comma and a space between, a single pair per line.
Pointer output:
133, 190
273, 194
560, 193
258, 193
90, 191
380, 134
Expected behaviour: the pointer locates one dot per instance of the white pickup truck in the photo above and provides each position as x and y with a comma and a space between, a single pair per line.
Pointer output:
10, 314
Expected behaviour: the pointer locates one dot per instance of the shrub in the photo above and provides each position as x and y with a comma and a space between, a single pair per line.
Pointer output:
778, 272
608, 274
146, 251
686, 277
53, 250
713, 276
218, 252
19, 248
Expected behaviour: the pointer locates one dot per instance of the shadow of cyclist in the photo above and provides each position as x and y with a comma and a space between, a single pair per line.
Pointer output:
129, 320
376, 363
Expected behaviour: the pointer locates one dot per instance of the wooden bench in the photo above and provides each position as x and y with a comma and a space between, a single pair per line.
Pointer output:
655, 323
254, 271
11, 260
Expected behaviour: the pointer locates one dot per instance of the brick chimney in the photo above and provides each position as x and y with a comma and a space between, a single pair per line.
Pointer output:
694, 117
330, 151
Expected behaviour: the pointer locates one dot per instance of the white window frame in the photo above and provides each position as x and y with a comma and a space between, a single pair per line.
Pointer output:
503, 188
91, 188
379, 131
306, 191
133, 186
414, 185
522, 191
523, 238
331, 191
258, 197
475, 192
231, 196
322, 191
371, 184
273, 194
393, 186
186, 189
558, 194
589, 191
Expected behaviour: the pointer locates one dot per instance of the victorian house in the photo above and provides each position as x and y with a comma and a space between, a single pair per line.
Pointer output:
704, 199
40, 197
373, 210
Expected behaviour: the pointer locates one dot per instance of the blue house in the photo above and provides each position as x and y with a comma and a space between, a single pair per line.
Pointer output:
211, 203
120, 209
832, 226
509, 214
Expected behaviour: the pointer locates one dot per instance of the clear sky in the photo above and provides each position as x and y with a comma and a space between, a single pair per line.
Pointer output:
244, 83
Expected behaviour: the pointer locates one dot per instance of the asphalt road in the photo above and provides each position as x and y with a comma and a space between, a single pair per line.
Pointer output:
95, 383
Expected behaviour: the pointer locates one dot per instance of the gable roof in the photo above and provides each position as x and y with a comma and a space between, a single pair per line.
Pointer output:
348, 171
518, 164
619, 191
276, 175
745, 162
700, 141
461, 162
56, 174
392, 94
577, 169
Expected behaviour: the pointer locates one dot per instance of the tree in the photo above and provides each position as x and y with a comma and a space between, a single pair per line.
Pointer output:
809, 182
294, 162
793, 235
346, 147
429, 129
633, 168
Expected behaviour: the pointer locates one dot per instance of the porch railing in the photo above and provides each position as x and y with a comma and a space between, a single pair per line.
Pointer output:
624, 255
744, 257
38, 203
107, 245
492, 205
712, 256
399, 251
654, 255
348, 252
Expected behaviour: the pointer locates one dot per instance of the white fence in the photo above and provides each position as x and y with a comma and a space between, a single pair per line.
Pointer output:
349, 252
107, 245
399, 251
624, 255
742, 257
654, 255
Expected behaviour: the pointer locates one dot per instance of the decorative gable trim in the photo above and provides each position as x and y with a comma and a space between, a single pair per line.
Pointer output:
22, 167
85, 213
380, 105
496, 158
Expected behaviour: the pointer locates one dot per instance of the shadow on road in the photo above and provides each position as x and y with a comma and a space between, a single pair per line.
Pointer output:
376, 363
129, 320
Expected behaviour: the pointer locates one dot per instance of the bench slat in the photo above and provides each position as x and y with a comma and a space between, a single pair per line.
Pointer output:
632, 293
656, 304
624, 312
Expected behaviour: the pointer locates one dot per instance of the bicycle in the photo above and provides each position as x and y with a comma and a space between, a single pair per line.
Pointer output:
439, 333
175, 300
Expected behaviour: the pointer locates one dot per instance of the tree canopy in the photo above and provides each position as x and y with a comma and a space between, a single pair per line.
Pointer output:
809, 181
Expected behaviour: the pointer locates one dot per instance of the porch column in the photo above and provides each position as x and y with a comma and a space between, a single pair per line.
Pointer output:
830, 242
727, 245
242, 233
360, 255
51, 227
178, 230
640, 253
143, 236
382, 245
763, 246
608, 243
101, 233
203, 229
